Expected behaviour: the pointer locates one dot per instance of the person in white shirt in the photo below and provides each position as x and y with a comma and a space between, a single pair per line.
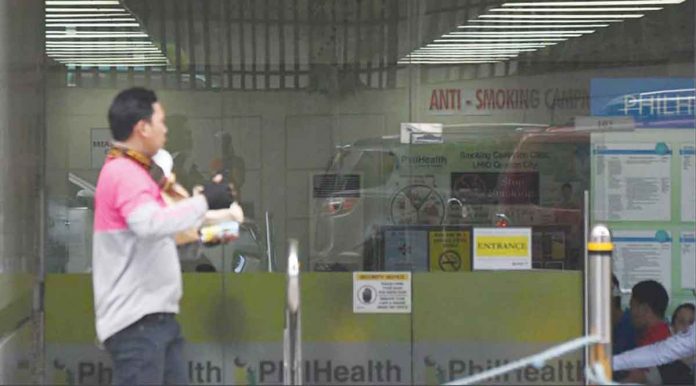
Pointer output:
671, 349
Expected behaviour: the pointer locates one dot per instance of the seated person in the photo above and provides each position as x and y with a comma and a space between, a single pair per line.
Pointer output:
683, 317
682, 345
649, 301
623, 333
680, 372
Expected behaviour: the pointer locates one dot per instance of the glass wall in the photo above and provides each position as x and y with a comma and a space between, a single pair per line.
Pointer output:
383, 135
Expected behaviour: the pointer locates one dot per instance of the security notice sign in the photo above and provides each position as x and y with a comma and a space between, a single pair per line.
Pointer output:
382, 292
502, 248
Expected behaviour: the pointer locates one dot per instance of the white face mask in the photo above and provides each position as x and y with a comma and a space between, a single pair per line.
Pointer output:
165, 161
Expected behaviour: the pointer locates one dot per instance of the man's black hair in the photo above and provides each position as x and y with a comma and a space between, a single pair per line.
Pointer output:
653, 294
128, 108
687, 306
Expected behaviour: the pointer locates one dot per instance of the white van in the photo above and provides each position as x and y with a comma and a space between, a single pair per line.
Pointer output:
482, 178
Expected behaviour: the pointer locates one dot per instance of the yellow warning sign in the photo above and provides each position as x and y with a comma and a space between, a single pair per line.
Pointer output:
450, 251
502, 246
382, 276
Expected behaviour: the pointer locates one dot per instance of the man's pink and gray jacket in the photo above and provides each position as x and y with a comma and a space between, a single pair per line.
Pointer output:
135, 267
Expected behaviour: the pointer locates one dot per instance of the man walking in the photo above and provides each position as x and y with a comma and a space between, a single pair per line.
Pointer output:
136, 273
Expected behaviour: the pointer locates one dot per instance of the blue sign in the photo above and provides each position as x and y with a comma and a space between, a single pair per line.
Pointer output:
660, 237
652, 102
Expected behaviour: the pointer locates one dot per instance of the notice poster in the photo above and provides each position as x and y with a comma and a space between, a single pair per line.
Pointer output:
502, 248
633, 182
687, 242
382, 292
643, 255
450, 251
687, 157
406, 250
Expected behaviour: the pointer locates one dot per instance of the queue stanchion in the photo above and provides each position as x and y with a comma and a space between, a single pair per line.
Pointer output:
292, 334
600, 249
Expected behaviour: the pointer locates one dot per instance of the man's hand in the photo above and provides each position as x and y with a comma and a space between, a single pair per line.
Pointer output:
218, 193
221, 239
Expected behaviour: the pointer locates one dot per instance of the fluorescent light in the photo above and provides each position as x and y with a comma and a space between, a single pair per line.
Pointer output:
93, 54
502, 51
98, 43
446, 62
90, 10
524, 33
495, 38
539, 36
594, 9
88, 65
91, 19
50, 25
111, 60
545, 21
488, 45
106, 65
106, 55
592, 3
455, 58
100, 33
482, 58
530, 26
541, 40
554, 38
77, 2
487, 52
462, 53
511, 26
86, 16
611, 16
102, 49
456, 52
93, 35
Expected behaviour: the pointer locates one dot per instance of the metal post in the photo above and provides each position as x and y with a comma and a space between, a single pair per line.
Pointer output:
269, 247
585, 267
599, 250
292, 335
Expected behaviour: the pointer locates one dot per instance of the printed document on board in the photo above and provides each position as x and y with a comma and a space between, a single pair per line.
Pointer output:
632, 182
643, 255
687, 242
687, 158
